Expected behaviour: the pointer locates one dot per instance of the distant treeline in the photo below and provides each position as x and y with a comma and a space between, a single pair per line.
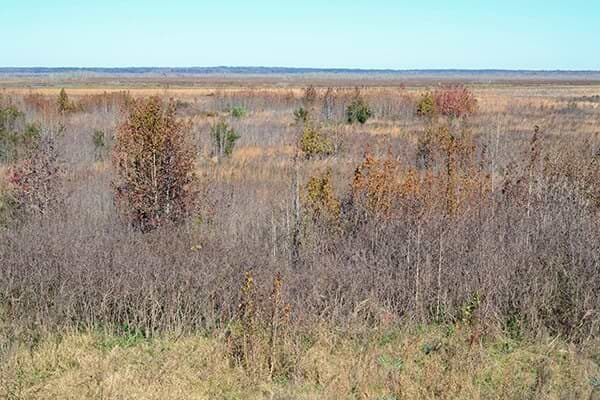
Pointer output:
557, 74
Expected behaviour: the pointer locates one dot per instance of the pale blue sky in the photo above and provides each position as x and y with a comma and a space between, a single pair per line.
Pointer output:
510, 34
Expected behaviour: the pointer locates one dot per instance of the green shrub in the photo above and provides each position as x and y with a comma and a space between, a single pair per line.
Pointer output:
32, 132
595, 383
314, 143
63, 103
10, 118
426, 106
358, 110
239, 112
224, 138
99, 142
17, 138
301, 115
320, 199
98, 138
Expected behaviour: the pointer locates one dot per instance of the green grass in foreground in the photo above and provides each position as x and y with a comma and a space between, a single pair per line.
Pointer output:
433, 362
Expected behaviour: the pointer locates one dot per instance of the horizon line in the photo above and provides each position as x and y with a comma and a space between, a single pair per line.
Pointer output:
249, 68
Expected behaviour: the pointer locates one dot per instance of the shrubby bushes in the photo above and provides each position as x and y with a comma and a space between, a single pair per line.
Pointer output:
64, 104
301, 115
307, 109
450, 191
455, 102
450, 101
99, 142
32, 185
16, 135
154, 162
452, 241
224, 138
426, 106
35, 181
313, 142
239, 112
320, 199
358, 110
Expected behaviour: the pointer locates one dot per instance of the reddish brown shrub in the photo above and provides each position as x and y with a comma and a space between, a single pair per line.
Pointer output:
375, 183
34, 181
455, 101
385, 188
154, 162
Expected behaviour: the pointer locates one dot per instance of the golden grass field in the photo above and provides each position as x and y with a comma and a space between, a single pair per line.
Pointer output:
421, 363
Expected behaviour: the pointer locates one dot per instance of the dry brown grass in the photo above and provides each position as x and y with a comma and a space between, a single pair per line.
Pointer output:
389, 364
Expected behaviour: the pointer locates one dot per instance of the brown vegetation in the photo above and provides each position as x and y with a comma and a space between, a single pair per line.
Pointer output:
154, 162
468, 208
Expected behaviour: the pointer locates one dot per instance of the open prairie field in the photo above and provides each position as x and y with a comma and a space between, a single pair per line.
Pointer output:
299, 237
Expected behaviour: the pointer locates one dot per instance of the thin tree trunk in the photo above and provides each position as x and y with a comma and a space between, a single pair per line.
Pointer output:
295, 250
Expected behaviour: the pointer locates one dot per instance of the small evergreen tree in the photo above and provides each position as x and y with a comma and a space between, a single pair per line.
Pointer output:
224, 138
358, 110
301, 115
426, 106
63, 102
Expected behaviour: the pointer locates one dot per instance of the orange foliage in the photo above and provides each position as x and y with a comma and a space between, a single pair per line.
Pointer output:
384, 187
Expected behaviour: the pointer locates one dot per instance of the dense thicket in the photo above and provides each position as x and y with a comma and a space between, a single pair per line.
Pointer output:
457, 220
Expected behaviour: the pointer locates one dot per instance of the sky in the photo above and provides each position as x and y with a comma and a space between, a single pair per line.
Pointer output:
434, 34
